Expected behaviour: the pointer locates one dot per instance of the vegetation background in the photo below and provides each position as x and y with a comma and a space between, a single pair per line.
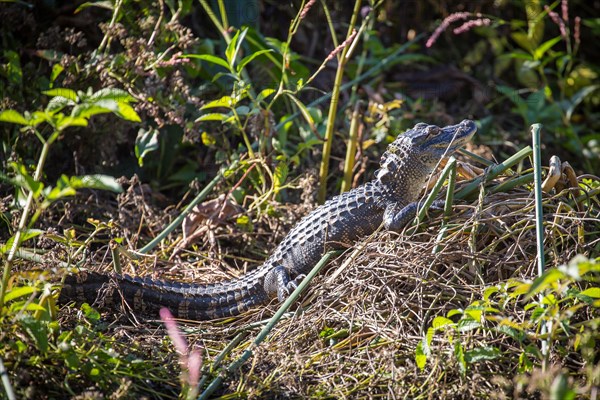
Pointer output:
115, 114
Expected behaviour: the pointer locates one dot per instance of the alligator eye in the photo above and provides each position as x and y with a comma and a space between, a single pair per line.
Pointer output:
433, 130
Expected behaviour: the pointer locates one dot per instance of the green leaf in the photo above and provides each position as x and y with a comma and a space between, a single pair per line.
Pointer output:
57, 103
234, 46
12, 69
63, 92
19, 292
211, 117
441, 322
127, 112
14, 117
468, 324
592, 292
57, 69
539, 52
38, 331
542, 282
265, 93
280, 175
97, 181
115, 94
225, 101
210, 58
145, 142
460, 357
578, 98
66, 122
23, 179
485, 353
100, 4
304, 111
249, 58
420, 356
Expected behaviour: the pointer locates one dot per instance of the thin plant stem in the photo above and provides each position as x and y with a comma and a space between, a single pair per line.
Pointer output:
24, 217
333, 105
351, 149
539, 229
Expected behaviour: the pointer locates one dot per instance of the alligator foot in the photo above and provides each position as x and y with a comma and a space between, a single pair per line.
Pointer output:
285, 285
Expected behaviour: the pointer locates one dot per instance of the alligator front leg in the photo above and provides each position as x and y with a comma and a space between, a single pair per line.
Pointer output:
396, 218
285, 285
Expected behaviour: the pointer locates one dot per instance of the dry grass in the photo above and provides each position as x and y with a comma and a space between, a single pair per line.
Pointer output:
355, 333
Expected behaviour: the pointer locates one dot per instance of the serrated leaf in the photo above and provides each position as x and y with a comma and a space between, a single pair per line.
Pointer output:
63, 92
14, 117
210, 58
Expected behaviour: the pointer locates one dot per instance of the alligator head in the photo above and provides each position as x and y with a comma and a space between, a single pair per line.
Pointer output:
410, 159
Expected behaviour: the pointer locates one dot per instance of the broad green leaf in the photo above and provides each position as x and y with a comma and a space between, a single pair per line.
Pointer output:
225, 101
127, 112
482, 354
14, 117
249, 58
28, 234
211, 117
115, 94
57, 103
468, 324
592, 292
210, 58
441, 322
70, 121
19, 292
542, 282
145, 142
38, 331
97, 181
63, 92
265, 93
23, 179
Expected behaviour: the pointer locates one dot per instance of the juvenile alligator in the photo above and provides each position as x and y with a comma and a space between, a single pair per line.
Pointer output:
390, 199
